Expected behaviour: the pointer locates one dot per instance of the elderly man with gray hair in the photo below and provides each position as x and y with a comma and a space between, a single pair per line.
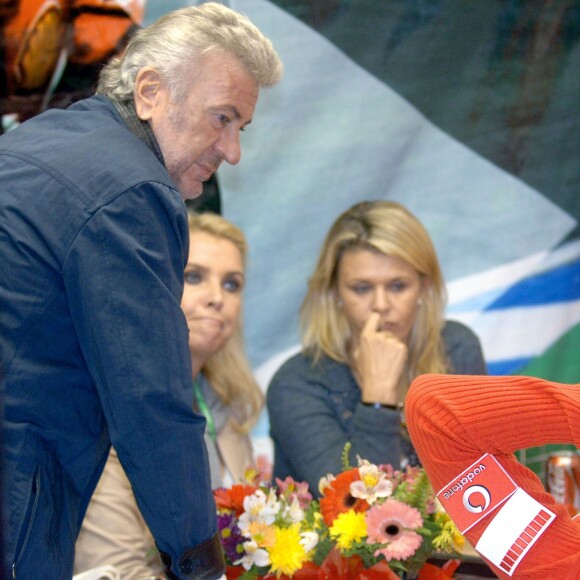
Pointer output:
94, 240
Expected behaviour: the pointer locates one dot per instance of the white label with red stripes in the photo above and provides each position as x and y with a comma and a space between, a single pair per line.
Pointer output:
513, 530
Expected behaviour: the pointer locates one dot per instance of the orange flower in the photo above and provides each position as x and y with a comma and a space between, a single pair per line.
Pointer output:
337, 498
232, 499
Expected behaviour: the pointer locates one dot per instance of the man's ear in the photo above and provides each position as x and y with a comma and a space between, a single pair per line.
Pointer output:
148, 89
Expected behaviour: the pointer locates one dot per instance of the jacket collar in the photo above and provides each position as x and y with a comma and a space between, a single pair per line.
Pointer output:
140, 128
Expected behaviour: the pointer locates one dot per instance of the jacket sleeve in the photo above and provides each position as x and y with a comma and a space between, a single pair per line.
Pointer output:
123, 276
454, 420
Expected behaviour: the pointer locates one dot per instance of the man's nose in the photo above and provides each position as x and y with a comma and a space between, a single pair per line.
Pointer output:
230, 147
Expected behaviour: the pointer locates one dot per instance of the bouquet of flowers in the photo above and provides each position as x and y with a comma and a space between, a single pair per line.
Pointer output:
368, 517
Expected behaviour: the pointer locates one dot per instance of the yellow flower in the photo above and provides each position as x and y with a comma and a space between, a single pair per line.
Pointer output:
318, 522
348, 527
287, 555
449, 538
458, 538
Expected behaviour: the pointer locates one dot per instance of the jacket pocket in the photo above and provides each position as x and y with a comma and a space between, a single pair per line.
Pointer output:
27, 521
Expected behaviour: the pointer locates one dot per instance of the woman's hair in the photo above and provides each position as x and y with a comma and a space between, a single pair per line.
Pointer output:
175, 43
228, 370
389, 228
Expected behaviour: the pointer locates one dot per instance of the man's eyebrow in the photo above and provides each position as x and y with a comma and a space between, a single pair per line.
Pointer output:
239, 116
234, 112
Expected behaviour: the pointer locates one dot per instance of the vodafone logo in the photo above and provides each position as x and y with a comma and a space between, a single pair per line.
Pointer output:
464, 480
476, 492
476, 499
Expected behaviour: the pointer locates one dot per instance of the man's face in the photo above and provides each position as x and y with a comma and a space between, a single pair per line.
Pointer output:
202, 129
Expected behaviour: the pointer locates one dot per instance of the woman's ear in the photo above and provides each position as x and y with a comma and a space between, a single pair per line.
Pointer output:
149, 87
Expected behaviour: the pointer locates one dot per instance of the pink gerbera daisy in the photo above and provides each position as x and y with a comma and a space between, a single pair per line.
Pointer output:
392, 524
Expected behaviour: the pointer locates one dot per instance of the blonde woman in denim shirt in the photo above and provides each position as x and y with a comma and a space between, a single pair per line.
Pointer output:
372, 320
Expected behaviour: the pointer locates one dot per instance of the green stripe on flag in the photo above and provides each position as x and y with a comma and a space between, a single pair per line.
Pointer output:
561, 362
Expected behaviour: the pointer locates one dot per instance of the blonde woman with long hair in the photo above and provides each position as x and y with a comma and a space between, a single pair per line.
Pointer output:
372, 320
226, 393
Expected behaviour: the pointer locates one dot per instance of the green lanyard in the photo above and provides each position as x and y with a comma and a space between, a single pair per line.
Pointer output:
204, 409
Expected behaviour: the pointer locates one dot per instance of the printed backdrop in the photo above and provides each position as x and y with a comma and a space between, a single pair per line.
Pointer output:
467, 113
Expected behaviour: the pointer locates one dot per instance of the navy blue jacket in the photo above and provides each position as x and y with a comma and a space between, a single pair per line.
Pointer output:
93, 342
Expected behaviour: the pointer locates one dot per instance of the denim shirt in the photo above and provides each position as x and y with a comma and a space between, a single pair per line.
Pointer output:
315, 409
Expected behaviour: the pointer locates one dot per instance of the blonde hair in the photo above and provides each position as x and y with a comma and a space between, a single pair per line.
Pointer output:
389, 228
228, 370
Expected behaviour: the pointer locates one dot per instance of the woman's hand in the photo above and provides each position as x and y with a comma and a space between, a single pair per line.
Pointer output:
378, 361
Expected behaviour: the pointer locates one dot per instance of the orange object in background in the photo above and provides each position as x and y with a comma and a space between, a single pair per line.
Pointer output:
37, 33
33, 38
101, 27
563, 479
432, 572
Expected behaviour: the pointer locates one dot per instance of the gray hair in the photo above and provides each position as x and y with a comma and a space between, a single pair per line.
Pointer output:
177, 41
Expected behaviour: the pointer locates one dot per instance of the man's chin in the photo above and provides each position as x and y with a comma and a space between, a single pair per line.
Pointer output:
192, 190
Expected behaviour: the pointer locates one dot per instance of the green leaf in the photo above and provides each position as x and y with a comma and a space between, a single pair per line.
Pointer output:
251, 574
344, 457
322, 550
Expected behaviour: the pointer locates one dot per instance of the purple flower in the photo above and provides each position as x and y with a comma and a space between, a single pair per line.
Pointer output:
231, 537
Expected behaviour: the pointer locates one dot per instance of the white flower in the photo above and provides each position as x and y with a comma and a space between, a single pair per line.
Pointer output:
294, 511
324, 482
308, 540
253, 555
259, 508
372, 485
